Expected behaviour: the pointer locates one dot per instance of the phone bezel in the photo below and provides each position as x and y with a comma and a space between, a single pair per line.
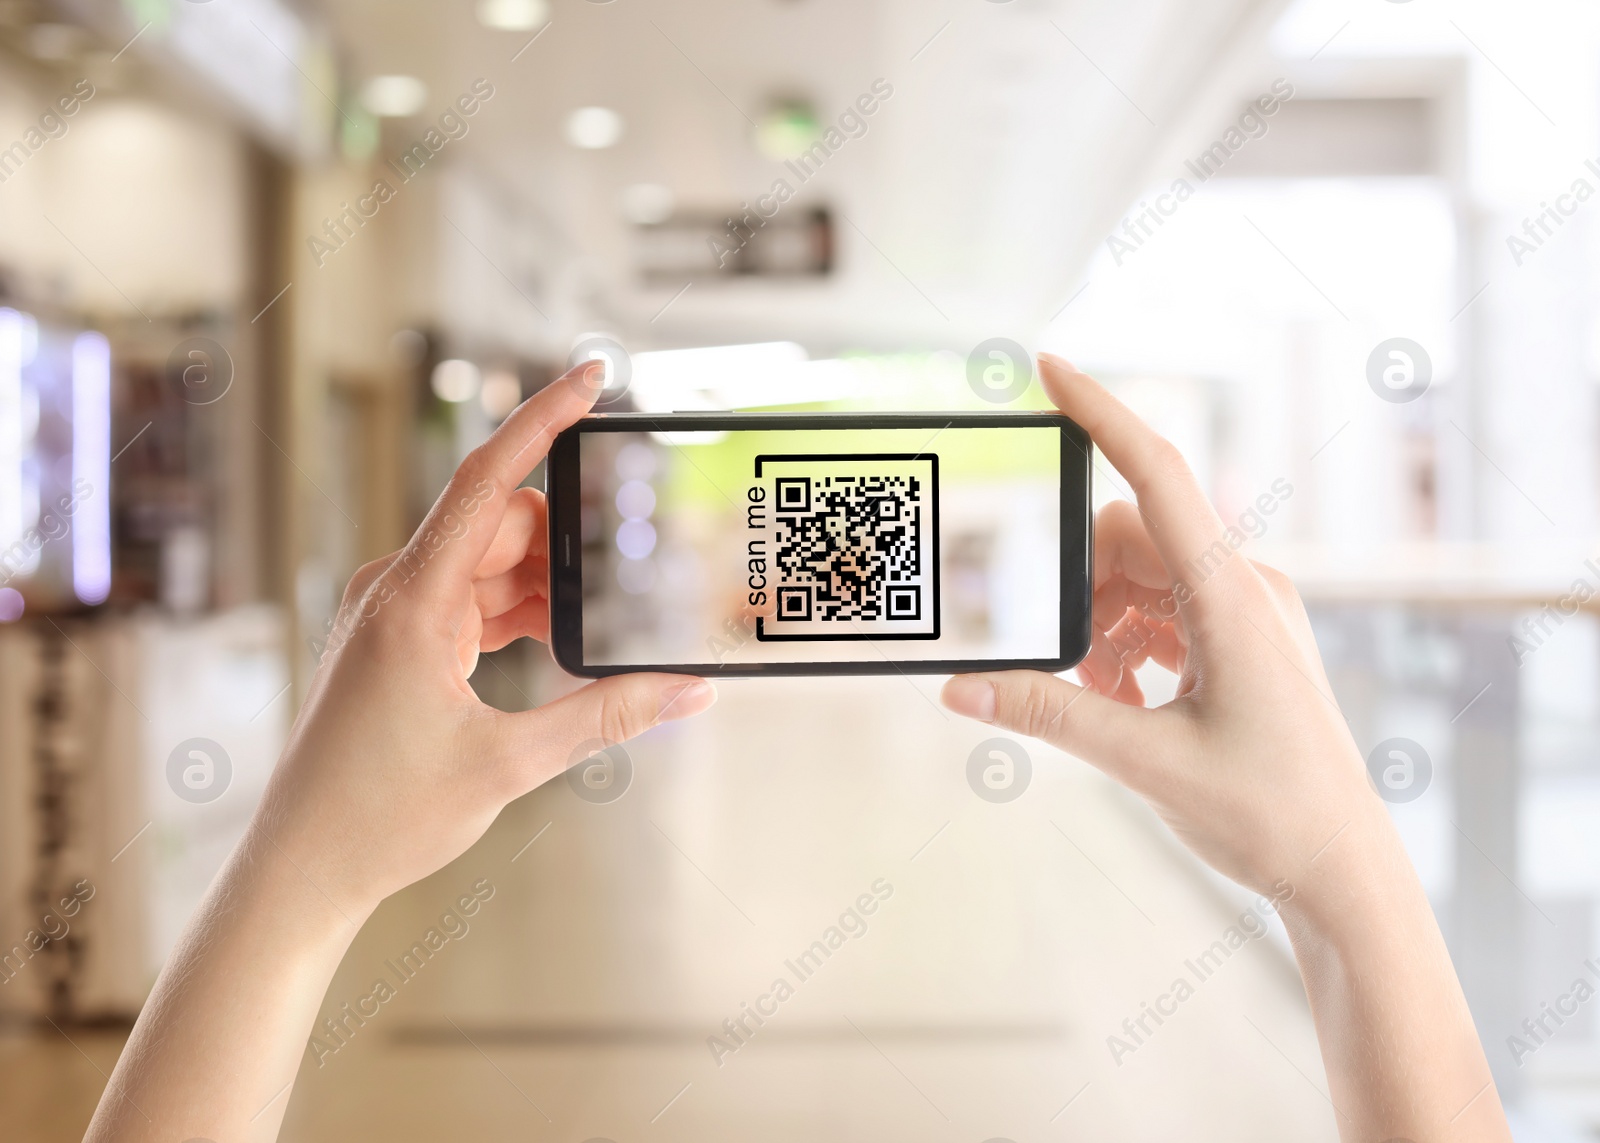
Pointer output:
562, 492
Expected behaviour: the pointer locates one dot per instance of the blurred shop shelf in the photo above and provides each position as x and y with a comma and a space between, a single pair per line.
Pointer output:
146, 699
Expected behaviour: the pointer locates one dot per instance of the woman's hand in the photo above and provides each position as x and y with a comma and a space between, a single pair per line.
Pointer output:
1251, 764
394, 767
1253, 767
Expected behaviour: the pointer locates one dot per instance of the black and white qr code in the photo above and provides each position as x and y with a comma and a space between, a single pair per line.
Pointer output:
854, 546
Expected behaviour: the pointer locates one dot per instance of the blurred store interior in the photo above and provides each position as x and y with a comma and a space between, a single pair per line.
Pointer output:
269, 268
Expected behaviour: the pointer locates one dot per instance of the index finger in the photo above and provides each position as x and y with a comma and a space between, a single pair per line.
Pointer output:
462, 523
1186, 531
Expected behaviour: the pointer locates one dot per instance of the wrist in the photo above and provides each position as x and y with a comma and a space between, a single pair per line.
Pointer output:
308, 853
1362, 881
266, 889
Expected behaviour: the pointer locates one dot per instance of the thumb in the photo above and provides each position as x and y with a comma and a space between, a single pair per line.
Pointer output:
548, 740
1107, 734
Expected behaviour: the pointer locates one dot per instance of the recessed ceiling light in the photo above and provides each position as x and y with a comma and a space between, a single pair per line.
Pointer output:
787, 131
394, 96
594, 128
514, 15
455, 380
646, 204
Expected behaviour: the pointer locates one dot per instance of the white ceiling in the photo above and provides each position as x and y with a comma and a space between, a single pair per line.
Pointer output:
1015, 136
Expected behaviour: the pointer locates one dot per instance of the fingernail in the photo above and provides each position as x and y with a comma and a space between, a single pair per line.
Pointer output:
970, 696
1057, 359
595, 376
684, 700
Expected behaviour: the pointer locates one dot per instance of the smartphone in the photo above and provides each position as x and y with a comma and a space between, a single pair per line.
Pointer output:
733, 544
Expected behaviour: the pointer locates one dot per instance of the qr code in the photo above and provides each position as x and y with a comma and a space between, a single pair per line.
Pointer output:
854, 546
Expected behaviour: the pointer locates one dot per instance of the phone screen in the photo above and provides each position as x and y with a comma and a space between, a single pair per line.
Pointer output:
741, 547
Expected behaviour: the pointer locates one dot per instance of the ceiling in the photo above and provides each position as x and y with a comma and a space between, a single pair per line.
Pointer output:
1015, 135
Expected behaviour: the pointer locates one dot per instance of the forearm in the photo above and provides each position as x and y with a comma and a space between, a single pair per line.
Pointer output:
394, 769
223, 1033
1403, 1058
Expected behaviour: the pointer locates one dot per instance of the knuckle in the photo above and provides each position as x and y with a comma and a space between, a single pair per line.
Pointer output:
474, 472
1283, 591
1037, 706
361, 581
1251, 583
369, 590
475, 465
1280, 583
1169, 463
625, 713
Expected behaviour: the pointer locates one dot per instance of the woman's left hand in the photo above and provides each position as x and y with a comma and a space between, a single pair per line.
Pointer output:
394, 767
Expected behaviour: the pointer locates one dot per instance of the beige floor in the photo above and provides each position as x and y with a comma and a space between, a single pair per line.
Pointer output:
977, 1003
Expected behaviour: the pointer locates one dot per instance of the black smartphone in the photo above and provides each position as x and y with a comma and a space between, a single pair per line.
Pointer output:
730, 544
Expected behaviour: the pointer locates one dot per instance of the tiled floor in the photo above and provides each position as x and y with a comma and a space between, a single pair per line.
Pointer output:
974, 1003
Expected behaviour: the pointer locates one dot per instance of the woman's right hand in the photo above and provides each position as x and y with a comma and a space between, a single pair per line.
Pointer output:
1253, 767
1251, 764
